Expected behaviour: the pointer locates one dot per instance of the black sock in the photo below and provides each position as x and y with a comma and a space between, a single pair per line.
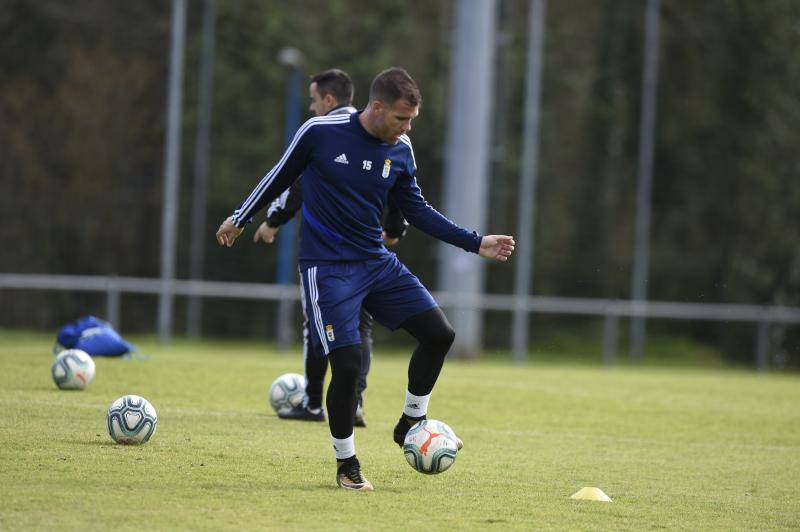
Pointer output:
411, 420
347, 461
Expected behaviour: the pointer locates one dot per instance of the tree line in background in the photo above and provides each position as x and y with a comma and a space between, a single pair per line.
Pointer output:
82, 105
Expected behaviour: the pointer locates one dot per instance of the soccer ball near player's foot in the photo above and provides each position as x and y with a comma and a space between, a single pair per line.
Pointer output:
73, 369
287, 392
430, 447
131, 420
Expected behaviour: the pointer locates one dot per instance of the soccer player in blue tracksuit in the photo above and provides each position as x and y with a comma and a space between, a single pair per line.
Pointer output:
331, 93
350, 164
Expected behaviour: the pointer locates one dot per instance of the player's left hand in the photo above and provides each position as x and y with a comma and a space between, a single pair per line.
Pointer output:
228, 232
498, 247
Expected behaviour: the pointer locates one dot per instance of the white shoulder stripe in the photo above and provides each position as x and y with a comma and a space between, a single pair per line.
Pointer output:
407, 141
330, 118
243, 212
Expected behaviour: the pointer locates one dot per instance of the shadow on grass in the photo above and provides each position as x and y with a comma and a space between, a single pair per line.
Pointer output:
332, 487
95, 443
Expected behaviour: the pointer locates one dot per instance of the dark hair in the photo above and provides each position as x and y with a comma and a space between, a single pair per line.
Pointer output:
394, 84
336, 83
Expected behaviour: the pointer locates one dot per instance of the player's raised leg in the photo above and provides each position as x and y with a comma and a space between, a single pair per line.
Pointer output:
398, 300
435, 336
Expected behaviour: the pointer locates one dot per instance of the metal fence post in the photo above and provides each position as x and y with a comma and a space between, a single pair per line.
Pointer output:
202, 143
526, 211
113, 302
287, 262
644, 189
169, 217
467, 162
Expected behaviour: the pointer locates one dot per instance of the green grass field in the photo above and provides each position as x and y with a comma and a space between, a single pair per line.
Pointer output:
693, 449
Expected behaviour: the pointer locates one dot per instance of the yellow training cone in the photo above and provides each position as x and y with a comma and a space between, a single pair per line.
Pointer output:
591, 494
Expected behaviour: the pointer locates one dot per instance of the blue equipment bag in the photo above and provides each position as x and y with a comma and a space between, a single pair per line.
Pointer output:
94, 336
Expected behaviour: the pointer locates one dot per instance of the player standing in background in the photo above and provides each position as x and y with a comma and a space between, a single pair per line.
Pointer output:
331, 93
350, 164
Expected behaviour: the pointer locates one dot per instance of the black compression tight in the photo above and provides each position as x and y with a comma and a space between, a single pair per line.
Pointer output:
435, 336
341, 399
316, 367
317, 362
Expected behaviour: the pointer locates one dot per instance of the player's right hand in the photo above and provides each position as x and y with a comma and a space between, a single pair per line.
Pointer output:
228, 232
265, 233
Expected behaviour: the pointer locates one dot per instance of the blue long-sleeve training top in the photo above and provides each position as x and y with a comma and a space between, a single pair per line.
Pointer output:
347, 175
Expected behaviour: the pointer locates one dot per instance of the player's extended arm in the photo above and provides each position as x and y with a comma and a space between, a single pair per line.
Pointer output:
421, 215
428, 220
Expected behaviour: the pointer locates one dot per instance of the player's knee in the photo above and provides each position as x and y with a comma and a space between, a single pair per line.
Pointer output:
442, 338
346, 363
432, 330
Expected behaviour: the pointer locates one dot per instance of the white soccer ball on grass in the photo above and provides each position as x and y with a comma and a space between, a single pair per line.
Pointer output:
287, 392
430, 447
73, 369
131, 420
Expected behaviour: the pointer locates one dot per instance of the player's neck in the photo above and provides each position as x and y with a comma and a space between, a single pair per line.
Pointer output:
367, 120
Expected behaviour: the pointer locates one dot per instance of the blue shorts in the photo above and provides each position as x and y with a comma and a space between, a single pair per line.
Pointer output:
335, 292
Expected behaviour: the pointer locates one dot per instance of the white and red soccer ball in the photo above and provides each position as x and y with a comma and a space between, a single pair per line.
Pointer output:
73, 369
430, 446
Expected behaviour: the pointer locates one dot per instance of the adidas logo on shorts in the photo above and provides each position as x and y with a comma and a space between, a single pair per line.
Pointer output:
342, 159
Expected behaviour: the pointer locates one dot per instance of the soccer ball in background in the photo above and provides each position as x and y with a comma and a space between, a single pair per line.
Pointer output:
131, 420
287, 391
73, 370
430, 447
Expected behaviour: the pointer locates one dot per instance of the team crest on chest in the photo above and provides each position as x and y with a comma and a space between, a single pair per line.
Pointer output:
387, 166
